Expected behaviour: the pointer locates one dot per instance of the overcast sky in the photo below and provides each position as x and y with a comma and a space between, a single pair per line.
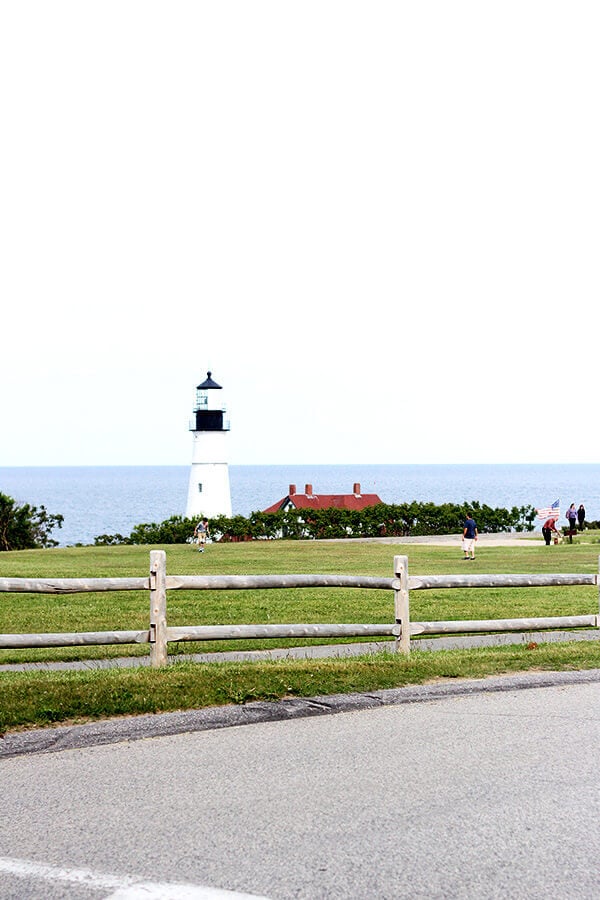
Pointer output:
376, 223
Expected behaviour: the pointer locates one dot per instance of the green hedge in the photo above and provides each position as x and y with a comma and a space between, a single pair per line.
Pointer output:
383, 520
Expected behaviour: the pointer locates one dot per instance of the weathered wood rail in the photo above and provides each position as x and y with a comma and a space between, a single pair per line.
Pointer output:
401, 628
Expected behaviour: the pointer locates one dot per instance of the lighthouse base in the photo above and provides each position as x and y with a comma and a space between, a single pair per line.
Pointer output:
209, 492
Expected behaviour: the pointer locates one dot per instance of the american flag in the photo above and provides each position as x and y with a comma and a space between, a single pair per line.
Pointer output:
548, 511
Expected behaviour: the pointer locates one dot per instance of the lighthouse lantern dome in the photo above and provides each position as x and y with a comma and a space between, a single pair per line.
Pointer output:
202, 391
208, 414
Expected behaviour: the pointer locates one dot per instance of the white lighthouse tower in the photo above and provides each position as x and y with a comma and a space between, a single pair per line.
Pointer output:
209, 493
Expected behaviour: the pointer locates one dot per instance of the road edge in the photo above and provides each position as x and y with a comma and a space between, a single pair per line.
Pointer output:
135, 728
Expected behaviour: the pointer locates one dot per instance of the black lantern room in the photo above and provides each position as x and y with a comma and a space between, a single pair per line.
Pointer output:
207, 412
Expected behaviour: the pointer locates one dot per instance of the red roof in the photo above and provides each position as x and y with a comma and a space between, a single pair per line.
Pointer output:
310, 500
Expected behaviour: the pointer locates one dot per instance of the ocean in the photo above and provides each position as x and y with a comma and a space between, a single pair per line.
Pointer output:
113, 499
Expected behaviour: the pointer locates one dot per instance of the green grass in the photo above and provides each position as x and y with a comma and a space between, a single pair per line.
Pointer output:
34, 698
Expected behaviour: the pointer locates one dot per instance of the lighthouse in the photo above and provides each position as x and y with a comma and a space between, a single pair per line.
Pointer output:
209, 493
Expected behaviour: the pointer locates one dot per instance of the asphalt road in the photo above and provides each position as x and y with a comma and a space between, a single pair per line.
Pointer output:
453, 792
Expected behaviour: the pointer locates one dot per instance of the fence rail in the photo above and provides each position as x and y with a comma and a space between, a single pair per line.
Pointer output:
159, 634
267, 582
427, 582
71, 585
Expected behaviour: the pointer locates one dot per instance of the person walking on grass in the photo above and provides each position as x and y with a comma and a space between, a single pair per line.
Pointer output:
469, 537
581, 516
201, 534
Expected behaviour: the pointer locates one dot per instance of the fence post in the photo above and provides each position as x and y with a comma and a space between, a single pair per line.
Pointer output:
401, 604
158, 608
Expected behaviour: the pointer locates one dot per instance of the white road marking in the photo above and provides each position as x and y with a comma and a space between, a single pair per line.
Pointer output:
123, 887
149, 891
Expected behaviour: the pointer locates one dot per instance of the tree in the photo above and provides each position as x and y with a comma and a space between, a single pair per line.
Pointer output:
25, 527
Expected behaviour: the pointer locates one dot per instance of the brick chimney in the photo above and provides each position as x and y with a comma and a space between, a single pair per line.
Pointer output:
356, 489
292, 490
308, 490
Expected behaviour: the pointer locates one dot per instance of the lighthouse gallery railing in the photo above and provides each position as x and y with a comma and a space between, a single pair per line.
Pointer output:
159, 634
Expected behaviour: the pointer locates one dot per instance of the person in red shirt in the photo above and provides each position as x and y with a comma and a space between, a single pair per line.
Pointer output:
547, 528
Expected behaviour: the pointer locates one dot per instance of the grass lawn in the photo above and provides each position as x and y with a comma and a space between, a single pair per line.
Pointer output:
32, 698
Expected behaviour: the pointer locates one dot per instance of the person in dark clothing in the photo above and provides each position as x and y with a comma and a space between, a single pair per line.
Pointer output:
469, 537
581, 516
572, 520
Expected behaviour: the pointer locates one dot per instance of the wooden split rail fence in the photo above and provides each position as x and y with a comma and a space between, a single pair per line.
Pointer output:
159, 633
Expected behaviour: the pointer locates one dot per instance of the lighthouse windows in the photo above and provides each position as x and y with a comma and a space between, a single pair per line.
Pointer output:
199, 488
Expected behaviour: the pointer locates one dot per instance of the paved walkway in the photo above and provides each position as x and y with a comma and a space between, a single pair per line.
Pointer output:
455, 642
501, 539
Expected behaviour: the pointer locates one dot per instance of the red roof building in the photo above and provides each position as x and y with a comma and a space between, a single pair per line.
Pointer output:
310, 500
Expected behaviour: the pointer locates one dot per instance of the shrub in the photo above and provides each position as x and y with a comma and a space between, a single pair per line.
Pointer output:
25, 527
394, 520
